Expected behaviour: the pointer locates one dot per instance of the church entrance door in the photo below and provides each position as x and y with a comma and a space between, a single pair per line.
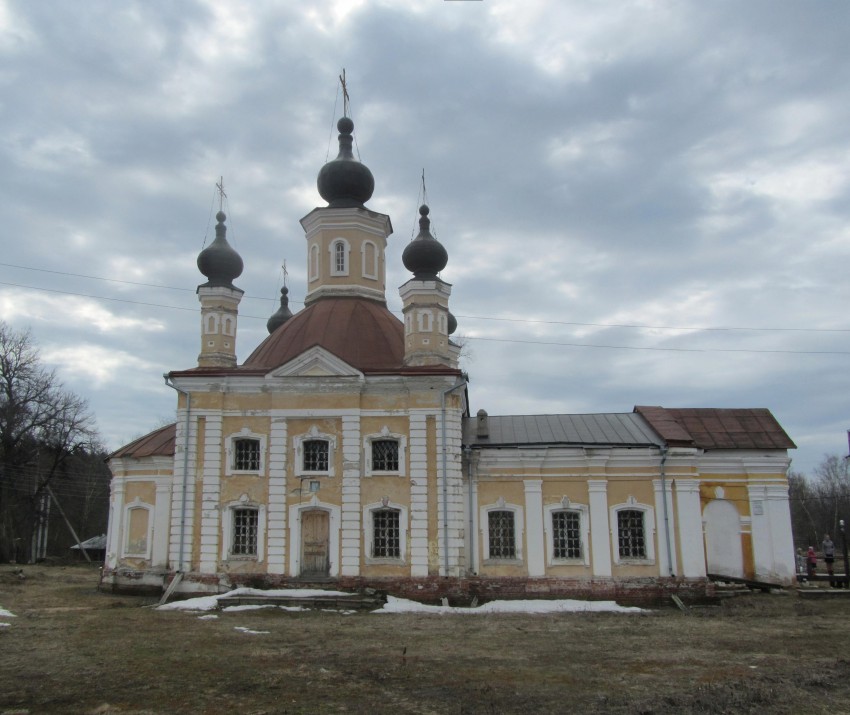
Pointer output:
314, 543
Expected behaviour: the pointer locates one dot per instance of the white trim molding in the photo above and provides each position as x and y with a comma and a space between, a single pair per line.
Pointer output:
584, 532
369, 532
631, 504
229, 452
298, 447
334, 520
519, 528
227, 529
141, 553
385, 434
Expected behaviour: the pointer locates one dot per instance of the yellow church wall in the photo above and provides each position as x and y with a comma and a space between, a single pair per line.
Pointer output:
431, 450
143, 491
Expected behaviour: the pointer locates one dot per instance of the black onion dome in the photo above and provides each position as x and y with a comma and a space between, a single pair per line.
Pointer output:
218, 261
452, 323
345, 182
282, 314
425, 256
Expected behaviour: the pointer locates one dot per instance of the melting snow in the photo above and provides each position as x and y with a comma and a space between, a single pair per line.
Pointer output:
208, 603
401, 605
249, 631
6, 614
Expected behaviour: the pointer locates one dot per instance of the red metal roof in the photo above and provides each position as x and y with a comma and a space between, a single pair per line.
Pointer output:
158, 443
363, 333
709, 428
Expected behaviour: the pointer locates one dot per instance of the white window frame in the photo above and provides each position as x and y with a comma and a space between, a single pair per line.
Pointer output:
298, 449
519, 530
227, 524
230, 452
369, 271
632, 504
315, 262
137, 503
346, 252
425, 320
385, 434
369, 532
584, 529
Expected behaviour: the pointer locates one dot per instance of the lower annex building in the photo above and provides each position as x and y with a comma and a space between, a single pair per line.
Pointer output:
343, 450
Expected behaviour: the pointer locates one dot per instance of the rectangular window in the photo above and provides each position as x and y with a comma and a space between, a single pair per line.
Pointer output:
245, 527
566, 534
630, 533
246, 454
502, 537
385, 455
316, 455
385, 535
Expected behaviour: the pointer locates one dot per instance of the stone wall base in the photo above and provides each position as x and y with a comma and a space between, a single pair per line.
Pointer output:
431, 589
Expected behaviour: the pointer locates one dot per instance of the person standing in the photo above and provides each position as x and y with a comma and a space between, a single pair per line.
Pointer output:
829, 557
811, 561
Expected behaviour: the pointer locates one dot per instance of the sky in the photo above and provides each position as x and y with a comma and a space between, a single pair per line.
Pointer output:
644, 202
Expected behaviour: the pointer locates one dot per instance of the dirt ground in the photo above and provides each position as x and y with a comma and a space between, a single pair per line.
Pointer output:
72, 649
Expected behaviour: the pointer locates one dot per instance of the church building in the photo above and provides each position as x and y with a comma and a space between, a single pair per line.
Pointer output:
344, 451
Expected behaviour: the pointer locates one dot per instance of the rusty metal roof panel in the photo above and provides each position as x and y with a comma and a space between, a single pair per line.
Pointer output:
159, 443
607, 429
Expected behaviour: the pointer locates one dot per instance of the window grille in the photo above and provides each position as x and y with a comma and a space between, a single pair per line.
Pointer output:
385, 455
386, 538
246, 454
316, 455
502, 537
566, 534
244, 532
630, 531
339, 257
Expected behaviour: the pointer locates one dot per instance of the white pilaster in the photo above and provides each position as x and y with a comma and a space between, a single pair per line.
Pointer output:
159, 553
277, 497
211, 496
761, 536
667, 562
116, 522
184, 482
778, 512
450, 494
351, 472
534, 543
600, 540
418, 495
691, 541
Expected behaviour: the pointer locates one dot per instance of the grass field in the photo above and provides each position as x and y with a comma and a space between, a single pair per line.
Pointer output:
72, 649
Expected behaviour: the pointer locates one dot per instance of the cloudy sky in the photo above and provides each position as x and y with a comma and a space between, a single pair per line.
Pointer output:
643, 202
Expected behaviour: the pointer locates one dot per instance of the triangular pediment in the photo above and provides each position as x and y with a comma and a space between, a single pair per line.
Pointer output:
316, 362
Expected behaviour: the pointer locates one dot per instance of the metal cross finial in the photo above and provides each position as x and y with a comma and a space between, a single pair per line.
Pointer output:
344, 93
221, 195
285, 273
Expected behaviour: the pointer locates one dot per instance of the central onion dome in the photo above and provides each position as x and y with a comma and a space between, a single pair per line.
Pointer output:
218, 261
345, 182
425, 256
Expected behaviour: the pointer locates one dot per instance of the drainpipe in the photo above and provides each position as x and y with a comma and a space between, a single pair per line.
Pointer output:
460, 383
666, 515
471, 517
168, 382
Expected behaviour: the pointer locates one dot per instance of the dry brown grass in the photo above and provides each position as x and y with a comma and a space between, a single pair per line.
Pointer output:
72, 649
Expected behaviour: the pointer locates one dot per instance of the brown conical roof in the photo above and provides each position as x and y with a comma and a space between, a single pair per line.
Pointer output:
363, 333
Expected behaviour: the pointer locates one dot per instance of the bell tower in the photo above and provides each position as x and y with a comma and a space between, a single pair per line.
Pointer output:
425, 297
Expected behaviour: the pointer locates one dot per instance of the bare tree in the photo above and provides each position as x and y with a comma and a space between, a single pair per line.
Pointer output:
820, 502
41, 426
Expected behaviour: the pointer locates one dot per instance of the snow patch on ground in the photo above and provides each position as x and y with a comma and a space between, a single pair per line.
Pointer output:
6, 614
242, 629
209, 603
401, 605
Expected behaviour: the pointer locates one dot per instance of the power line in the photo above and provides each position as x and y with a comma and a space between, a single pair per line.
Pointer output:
534, 321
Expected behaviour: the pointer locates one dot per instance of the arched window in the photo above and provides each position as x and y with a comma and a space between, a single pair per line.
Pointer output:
369, 253
339, 257
314, 262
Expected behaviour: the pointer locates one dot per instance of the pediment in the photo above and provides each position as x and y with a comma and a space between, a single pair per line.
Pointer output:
316, 362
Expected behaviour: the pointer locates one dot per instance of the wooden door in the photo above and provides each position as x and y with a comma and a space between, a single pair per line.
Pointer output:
314, 543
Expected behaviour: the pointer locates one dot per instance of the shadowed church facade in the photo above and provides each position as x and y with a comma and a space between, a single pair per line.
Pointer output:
343, 451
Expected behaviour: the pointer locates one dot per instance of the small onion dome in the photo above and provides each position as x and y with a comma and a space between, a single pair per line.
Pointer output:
452, 323
425, 256
218, 261
345, 182
282, 314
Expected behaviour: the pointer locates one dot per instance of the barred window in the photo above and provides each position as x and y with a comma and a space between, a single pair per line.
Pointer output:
316, 455
246, 454
245, 525
566, 534
386, 536
630, 534
502, 536
385, 455
339, 257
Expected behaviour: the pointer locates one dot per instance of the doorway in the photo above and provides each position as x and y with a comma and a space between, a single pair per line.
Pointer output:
315, 561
